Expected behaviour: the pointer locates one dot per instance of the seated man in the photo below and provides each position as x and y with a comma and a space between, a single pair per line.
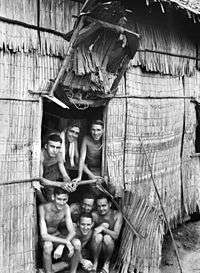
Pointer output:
84, 233
52, 169
108, 226
86, 206
91, 152
50, 216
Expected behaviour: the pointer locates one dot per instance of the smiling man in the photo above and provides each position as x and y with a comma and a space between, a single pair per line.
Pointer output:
108, 225
91, 152
85, 206
84, 233
51, 215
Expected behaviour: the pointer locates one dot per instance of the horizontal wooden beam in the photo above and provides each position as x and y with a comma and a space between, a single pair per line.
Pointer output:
30, 26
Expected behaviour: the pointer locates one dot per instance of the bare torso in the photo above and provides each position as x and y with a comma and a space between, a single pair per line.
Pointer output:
53, 217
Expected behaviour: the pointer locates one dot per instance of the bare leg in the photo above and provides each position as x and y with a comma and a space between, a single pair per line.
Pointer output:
76, 257
108, 247
96, 248
47, 260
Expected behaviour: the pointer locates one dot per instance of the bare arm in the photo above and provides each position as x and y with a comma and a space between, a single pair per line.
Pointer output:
82, 159
43, 229
117, 227
69, 224
64, 173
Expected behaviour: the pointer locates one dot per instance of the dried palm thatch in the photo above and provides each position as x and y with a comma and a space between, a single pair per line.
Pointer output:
56, 15
162, 38
192, 6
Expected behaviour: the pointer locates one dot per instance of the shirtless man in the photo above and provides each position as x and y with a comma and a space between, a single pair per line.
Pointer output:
50, 216
108, 226
85, 206
52, 169
84, 233
91, 152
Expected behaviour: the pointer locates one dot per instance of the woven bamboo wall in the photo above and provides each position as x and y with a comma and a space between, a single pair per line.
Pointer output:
190, 166
160, 124
20, 116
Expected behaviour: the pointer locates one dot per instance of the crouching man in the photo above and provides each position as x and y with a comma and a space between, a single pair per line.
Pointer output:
108, 225
51, 215
84, 233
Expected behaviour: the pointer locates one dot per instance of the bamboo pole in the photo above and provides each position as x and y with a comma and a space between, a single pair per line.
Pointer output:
30, 180
162, 207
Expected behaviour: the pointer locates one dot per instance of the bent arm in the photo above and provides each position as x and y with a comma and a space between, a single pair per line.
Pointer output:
82, 158
69, 224
117, 227
63, 171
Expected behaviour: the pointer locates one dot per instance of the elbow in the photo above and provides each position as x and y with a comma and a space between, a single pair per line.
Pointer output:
44, 236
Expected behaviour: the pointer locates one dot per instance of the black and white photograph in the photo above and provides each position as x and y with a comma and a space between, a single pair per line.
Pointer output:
100, 136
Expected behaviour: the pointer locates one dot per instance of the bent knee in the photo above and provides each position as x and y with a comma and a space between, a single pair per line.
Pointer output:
48, 247
107, 239
98, 238
77, 244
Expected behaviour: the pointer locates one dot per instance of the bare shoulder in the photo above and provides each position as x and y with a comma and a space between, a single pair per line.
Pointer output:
95, 216
117, 214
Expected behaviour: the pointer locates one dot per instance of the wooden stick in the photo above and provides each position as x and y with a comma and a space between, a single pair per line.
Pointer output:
29, 180
111, 26
161, 205
66, 62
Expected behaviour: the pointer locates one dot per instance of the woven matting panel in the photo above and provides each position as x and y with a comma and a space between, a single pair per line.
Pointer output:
190, 165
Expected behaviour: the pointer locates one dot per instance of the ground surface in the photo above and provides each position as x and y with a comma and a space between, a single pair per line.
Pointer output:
187, 238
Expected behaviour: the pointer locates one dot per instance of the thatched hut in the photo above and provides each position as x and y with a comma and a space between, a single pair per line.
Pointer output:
151, 109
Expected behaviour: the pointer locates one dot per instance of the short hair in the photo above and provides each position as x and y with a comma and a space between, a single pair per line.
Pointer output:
54, 137
88, 195
86, 215
74, 124
103, 196
58, 191
97, 122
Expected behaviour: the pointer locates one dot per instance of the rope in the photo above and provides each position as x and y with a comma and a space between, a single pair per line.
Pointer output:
162, 208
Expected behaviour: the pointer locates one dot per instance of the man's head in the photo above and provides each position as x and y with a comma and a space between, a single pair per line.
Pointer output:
60, 198
53, 145
85, 223
103, 204
97, 129
87, 203
73, 132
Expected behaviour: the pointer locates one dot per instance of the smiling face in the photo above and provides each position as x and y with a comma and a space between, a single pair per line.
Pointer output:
85, 225
87, 205
103, 206
73, 133
53, 147
96, 131
60, 200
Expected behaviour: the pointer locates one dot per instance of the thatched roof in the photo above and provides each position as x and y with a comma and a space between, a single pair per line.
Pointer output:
190, 5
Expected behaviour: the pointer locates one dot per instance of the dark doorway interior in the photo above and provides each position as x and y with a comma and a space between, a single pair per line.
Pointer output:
56, 119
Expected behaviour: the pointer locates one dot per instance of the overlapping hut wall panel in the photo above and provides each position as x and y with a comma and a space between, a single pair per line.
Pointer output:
190, 165
20, 117
159, 124
161, 37
115, 134
54, 14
